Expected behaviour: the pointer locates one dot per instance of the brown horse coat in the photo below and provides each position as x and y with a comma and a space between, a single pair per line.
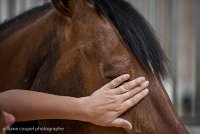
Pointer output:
75, 51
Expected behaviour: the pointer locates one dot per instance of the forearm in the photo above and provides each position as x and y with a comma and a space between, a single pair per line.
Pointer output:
29, 105
107, 103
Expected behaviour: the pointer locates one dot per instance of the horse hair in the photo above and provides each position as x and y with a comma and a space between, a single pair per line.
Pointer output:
134, 29
137, 34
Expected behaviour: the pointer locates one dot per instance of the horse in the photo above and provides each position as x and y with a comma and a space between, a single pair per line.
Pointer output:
73, 47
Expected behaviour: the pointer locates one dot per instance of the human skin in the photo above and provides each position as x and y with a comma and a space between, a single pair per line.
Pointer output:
107, 103
6, 120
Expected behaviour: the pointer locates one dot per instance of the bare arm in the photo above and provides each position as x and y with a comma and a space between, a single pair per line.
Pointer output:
108, 103
30, 105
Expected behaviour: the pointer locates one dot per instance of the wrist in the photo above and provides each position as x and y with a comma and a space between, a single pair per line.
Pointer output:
84, 110
73, 109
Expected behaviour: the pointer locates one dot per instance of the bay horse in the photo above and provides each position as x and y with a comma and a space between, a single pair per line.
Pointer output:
77, 46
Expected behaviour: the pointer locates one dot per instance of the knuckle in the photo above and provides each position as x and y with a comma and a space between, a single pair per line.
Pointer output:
113, 99
134, 100
112, 92
109, 92
125, 97
123, 89
126, 86
116, 81
130, 104
137, 81
138, 90
118, 109
131, 94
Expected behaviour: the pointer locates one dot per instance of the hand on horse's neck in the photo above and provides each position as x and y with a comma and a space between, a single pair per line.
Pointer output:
155, 114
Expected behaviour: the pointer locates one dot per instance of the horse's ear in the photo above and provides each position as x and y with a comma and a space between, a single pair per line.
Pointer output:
62, 6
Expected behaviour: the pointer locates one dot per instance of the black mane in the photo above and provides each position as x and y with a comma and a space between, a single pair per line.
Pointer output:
29, 15
134, 29
136, 33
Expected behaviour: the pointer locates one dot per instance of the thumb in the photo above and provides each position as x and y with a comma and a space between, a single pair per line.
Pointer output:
8, 119
119, 122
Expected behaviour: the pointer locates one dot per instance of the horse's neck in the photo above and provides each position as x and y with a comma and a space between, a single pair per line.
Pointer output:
23, 52
155, 114
23, 20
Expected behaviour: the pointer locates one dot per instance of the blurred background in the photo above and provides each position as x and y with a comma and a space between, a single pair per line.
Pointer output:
177, 25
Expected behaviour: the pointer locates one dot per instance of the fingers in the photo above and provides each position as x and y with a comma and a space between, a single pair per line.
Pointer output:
119, 122
134, 100
129, 85
134, 91
8, 119
117, 81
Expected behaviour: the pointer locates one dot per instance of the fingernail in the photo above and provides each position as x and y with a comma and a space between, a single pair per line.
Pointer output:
127, 75
145, 84
146, 91
141, 78
129, 127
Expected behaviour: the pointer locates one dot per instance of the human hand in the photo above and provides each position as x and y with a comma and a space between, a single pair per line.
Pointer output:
6, 120
105, 105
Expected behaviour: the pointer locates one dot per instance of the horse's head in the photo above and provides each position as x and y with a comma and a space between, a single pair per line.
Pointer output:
105, 39
102, 39
93, 45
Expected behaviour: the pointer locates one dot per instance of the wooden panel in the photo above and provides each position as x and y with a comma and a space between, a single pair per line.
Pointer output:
173, 54
163, 24
197, 97
4, 10
11, 8
186, 41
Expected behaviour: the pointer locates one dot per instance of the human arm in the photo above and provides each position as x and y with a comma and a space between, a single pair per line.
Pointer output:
107, 103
